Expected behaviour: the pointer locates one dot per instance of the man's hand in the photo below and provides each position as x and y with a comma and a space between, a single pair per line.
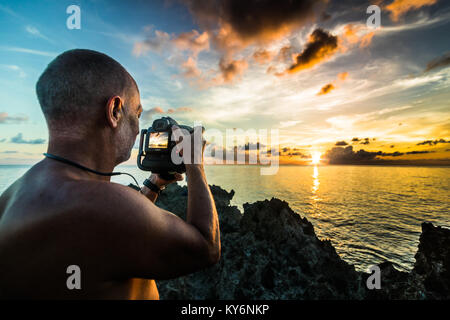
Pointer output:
162, 183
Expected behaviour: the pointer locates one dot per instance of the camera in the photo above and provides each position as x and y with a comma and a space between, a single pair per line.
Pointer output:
155, 148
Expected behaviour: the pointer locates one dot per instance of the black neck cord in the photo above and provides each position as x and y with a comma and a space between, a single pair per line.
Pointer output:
52, 156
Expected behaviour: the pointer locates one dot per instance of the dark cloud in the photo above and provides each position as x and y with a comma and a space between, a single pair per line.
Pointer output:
251, 146
341, 143
432, 142
253, 20
366, 141
340, 155
18, 139
438, 62
9, 151
298, 153
321, 46
326, 89
355, 140
419, 152
287, 151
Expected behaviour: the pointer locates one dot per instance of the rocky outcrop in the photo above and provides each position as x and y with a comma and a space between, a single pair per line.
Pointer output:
270, 252
430, 277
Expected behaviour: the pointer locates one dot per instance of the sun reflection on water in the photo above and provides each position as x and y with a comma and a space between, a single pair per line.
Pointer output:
316, 183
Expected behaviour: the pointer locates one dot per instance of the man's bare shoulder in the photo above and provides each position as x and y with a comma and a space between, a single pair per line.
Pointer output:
100, 200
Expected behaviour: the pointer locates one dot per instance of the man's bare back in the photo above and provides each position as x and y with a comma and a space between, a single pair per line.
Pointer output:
43, 232
52, 218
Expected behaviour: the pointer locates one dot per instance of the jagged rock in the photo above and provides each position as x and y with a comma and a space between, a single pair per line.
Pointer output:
270, 252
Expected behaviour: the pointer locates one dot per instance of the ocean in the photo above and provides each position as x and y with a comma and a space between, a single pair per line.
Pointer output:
370, 213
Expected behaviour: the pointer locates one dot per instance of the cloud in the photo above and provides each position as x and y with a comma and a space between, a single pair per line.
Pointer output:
5, 118
251, 146
148, 114
238, 23
262, 56
331, 86
286, 124
340, 155
432, 142
9, 151
438, 62
31, 51
326, 89
419, 152
399, 7
14, 68
320, 47
192, 41
179, 110
231, 69
18, 139
189, 68
341, 143
366, 141
35, 32
156, 43
342, 76
355, 34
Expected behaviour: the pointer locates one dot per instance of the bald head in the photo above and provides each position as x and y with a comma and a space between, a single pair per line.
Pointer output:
77, 84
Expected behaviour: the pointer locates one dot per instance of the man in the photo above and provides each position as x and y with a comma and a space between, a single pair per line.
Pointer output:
57, 215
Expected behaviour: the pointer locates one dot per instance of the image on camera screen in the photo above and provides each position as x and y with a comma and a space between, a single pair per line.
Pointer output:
158, 140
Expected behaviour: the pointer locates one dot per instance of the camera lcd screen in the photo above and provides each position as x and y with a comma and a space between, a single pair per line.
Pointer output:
158, 140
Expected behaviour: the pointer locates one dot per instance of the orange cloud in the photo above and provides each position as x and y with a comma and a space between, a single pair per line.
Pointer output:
190, 69
262, 56
326, 89
366, 40
230, 69
354, 34
400, 7
320, 47
350, 33
331, 86
178, 110
193, 41
342, 76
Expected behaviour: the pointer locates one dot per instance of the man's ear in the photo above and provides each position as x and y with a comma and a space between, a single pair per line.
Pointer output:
114, 111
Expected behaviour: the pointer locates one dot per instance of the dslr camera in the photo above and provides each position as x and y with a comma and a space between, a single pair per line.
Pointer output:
155, 148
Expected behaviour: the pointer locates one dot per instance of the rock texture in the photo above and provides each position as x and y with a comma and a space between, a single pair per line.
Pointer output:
270, 252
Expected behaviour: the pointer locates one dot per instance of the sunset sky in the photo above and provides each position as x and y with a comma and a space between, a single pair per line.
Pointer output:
312, 69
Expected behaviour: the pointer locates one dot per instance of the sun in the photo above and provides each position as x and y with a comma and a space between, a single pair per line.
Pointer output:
316, 157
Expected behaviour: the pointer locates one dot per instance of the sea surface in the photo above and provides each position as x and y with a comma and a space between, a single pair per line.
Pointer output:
370, 213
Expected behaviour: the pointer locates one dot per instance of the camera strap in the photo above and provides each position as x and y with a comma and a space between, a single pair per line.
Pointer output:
72, 163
